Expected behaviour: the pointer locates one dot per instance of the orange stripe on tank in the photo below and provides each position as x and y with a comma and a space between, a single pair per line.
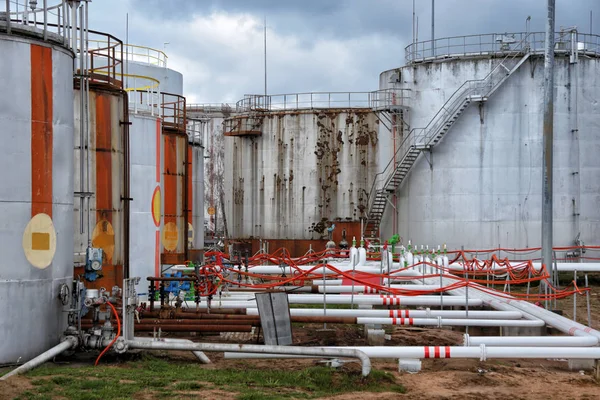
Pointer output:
170, 178
157, 150
190, 192
41, 130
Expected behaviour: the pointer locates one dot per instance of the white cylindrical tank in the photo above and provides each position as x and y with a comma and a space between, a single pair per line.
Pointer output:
36, 194
146, 160
307, 170
482, 185
195, 176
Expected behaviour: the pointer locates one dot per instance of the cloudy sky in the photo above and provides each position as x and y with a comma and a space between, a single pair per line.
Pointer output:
312, 45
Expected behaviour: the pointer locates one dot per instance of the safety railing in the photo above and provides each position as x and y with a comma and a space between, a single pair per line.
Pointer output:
246, 125
304, 101
379, 99
141, 54
211, 108
106, 62
419, 138
195, 131
173, 111
52, 19
499, 44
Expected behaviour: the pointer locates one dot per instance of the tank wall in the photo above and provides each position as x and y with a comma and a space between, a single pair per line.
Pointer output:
484, 186
170, 80
36, 195
196, 199
305, 169
146, 190
106, 179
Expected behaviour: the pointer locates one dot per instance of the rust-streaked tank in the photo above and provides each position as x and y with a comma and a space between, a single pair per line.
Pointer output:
102, 182
36, 190
175, 144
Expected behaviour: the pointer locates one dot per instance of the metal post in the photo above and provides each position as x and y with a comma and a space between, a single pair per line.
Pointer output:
433, 28
45, 20
324, 299
587, 300
548, 138
265, 56
462, 248
8, 16
575, 297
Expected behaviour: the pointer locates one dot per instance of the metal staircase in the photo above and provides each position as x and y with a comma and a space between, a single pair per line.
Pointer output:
424, 139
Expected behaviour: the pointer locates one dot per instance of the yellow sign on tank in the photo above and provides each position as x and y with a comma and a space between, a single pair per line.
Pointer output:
39, 241
103, 237
170, 236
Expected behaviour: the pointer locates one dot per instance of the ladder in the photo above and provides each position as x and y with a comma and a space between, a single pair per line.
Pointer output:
424, 139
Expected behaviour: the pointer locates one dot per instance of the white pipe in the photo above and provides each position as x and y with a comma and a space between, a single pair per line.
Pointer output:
529, 310
199, 355
439, 322
309, 312
251, 348
69, 343
330, 282
563, 267
533, 341
368, 289
482, 352
238, 302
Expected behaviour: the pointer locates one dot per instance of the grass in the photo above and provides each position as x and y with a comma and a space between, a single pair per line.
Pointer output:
159, 379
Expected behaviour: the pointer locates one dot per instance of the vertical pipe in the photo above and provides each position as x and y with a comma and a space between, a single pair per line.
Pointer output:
73, 27
587, 300
265, 57
45, 20
87, 124
433, 28
548, 138
325, 298
575, 297
8, 17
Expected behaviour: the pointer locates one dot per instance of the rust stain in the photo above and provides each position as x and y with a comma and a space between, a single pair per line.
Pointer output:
190, 191
41, 130
170, 179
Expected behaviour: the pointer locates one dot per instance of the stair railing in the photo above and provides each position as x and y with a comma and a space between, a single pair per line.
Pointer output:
424, 136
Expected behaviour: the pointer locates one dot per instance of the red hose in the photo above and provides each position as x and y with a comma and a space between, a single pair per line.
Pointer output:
116, 337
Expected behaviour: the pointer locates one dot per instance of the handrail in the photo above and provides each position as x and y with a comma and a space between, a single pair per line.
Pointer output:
13, 15
314, 100
452, 104
495, 43
134, 53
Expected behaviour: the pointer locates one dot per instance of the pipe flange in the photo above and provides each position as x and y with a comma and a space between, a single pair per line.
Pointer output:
120, 345
73, 339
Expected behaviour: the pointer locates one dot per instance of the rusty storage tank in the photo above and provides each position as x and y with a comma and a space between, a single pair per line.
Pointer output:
480, 186
101, 168
174, 242
195, 191
295, 164
36, 195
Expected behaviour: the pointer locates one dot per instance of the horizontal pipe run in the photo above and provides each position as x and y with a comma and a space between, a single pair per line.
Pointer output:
69, 343
390, 300
199, 355
477, 314
292, 350
194, 328
531, 341
244, 320
481, 352
562, 267
439, 322
367, 289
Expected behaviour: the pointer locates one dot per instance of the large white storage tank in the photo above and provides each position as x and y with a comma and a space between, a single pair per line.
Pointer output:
481, 185
36, 194
302, 164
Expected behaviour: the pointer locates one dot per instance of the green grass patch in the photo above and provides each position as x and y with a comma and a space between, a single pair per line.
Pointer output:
168, 379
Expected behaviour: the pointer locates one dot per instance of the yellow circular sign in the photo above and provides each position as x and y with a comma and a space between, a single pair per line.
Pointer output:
103, 237
39, 241
170, 236
156, 206
211, 211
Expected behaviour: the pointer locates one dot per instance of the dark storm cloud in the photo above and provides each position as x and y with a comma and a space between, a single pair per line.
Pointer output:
337, 45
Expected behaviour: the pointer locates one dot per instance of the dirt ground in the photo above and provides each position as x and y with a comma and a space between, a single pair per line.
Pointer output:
438, 379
